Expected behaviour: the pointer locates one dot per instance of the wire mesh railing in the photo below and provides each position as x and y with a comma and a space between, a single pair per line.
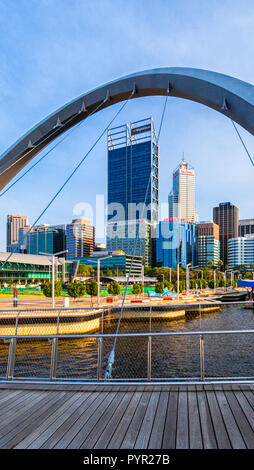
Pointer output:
173, 343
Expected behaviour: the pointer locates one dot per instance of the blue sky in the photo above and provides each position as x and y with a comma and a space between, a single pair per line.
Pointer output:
54, 50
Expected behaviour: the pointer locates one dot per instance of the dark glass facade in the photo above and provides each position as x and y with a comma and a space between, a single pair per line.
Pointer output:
133, 160
176, 241
226, 216
49, 239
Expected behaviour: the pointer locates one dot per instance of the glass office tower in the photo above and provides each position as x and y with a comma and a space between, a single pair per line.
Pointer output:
133, 179
133, 167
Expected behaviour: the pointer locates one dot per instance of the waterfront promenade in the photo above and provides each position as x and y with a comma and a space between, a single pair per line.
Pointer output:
113, 417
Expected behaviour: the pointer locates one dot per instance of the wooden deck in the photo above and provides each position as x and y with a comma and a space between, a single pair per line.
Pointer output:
128, 417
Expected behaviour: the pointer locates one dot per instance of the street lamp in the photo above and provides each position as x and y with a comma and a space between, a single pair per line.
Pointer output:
225, 278
178, 265
192, 267
98, 261
187, 278
53, 255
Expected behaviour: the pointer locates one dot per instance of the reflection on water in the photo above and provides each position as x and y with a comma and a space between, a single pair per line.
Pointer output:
178, 356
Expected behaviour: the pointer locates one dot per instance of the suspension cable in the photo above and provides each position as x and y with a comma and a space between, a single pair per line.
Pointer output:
243, 144
70, 176
49, 151
111, 358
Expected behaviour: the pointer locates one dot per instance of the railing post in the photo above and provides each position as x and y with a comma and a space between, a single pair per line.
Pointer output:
99, 361
202, 358
11, 359
149, 358
57, 322
54, 352
17, 322
102, 321
150, 320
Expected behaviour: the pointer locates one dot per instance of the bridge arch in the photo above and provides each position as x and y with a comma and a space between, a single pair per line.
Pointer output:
227, 95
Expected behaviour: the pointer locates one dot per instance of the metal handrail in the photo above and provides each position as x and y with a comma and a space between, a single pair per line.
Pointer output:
112, 335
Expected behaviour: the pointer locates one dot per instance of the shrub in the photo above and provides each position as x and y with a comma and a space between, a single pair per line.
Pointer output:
76, 289
47, 289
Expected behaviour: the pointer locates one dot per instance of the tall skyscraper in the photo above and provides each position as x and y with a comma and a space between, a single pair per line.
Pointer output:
14, 223
226, 215
80, 238
182, 196
208, 244
133, 179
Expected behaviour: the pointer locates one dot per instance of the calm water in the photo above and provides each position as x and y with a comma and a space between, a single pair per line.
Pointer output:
225, 355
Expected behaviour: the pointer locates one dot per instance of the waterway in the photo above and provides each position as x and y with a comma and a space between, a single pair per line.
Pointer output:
172, 357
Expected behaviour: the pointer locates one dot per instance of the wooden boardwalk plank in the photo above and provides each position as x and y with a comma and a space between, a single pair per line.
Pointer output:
93, 419
110, 428
243, 424
68, 437
234, 434
36, 428
194, 422
106, 416
118, 436
58, 417
169, 437
147, 425
245, 405
208, 435
132, 432
11, 419
155, 441
218, 423
30, 422
7, 401
182, 431
86, 400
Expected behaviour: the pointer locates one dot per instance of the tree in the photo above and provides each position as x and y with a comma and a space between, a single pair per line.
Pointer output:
220, 264
138, 288
114, 288
84, 270
109, 273
76, 289
91, 287
47, 289
168, 284
159, 287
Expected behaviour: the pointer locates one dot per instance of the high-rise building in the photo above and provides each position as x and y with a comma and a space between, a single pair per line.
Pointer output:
175, 242
241, 251
14, 223
133, 186
226, 216
246, 227
80, 239
182, 196
125, 235
133, 169
208, 244
45, 239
